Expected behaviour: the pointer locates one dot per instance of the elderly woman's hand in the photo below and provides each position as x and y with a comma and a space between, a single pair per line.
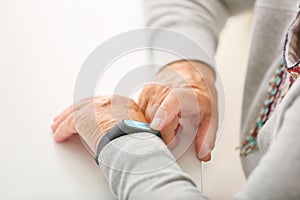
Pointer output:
91, 118
183, 90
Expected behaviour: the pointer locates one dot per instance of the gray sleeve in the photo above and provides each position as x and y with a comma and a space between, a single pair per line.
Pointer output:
199, 20
139, 166
277, 176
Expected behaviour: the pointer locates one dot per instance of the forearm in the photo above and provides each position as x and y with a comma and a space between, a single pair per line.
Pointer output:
139, 166
199, 20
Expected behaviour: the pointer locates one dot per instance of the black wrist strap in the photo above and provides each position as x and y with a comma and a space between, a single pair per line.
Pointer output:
118, 130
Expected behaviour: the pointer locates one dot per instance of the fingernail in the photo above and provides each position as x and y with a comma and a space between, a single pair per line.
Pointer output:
204, 151
156, 124
206, 158
53, 127
58, 138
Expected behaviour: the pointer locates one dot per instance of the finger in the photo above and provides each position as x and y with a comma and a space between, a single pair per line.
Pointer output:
205, 140
144, 98
166, 112
151, 111
63, 115
65, 129
207, 132
169, 133
55, 118
152, 95
178, 101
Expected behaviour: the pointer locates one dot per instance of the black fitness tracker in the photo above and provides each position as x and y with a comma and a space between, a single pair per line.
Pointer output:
124, 127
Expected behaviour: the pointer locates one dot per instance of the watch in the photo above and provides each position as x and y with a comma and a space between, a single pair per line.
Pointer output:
124, 127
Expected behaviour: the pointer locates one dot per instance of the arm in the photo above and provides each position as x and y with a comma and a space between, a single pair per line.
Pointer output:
197, 25
200, 20
278, 174
137, 166
145, 169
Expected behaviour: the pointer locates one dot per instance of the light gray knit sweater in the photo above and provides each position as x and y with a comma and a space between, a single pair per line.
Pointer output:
273, 169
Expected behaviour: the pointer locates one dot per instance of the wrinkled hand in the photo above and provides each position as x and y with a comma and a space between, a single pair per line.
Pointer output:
183, 90
91, 118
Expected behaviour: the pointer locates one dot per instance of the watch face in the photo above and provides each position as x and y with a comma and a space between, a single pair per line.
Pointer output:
139, 125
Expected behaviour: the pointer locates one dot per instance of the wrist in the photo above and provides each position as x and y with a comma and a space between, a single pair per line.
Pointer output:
122, 128
109, 125
133, 115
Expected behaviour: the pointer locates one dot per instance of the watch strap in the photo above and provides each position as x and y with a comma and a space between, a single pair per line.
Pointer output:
118, 130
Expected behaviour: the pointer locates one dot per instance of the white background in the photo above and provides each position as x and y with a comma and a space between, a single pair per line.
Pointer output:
42, 47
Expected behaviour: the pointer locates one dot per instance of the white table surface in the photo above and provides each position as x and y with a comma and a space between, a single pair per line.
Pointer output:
42, 46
